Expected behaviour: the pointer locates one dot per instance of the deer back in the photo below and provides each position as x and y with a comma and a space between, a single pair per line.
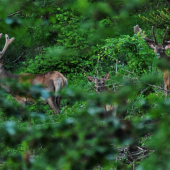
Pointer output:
52, 81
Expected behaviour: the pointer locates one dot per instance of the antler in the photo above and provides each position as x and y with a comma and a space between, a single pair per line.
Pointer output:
8, 41
1, 35
137, 29
156, 43
163, 40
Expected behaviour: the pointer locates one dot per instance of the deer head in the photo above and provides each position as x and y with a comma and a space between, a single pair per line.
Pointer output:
99, 82
158, 49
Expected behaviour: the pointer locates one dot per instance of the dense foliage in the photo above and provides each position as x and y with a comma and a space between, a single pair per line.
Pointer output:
79, 38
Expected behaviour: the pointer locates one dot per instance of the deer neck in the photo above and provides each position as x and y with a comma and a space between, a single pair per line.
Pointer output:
165, 56
105, 88
5, 74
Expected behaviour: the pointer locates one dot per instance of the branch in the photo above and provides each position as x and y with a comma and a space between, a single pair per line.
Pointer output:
93, 87
19, 57
159, 88
14, 13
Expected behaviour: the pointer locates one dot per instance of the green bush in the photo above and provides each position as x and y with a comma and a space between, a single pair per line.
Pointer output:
132, 53
74, 37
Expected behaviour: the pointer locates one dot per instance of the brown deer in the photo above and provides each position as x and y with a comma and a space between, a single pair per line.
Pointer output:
159, 49
100, 86
53, 81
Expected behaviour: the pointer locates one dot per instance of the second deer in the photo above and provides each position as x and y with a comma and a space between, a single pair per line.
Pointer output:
53, 81
100, 86
159, 49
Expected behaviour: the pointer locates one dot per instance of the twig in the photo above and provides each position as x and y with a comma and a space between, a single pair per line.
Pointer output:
96, 71
14, 13
139, 148
133, 165
143, 156
100, 66
127, 71
125, 75
97, 66
83, 70
93, 87
143, 91
19, 57
48, 124
116, 65
159, 88
114, 87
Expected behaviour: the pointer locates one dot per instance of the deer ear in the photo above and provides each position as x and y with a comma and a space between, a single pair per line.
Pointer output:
90, 78
167, 45
106, 77
151, 45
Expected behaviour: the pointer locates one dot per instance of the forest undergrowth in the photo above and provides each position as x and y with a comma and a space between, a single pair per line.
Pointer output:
80, 39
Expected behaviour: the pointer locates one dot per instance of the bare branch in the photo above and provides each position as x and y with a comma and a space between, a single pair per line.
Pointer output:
159, 88
93, 87
14, 13
19, 57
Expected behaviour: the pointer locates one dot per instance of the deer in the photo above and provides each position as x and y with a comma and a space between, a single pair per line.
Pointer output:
159, 50
53, 81
100, 86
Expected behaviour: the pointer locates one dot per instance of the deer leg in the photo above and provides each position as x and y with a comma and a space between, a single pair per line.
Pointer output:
52, 100
20, 100
166, 82
165, 93
58, 101
53, 105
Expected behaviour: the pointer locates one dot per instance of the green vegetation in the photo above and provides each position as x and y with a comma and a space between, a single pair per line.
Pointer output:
79, 38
